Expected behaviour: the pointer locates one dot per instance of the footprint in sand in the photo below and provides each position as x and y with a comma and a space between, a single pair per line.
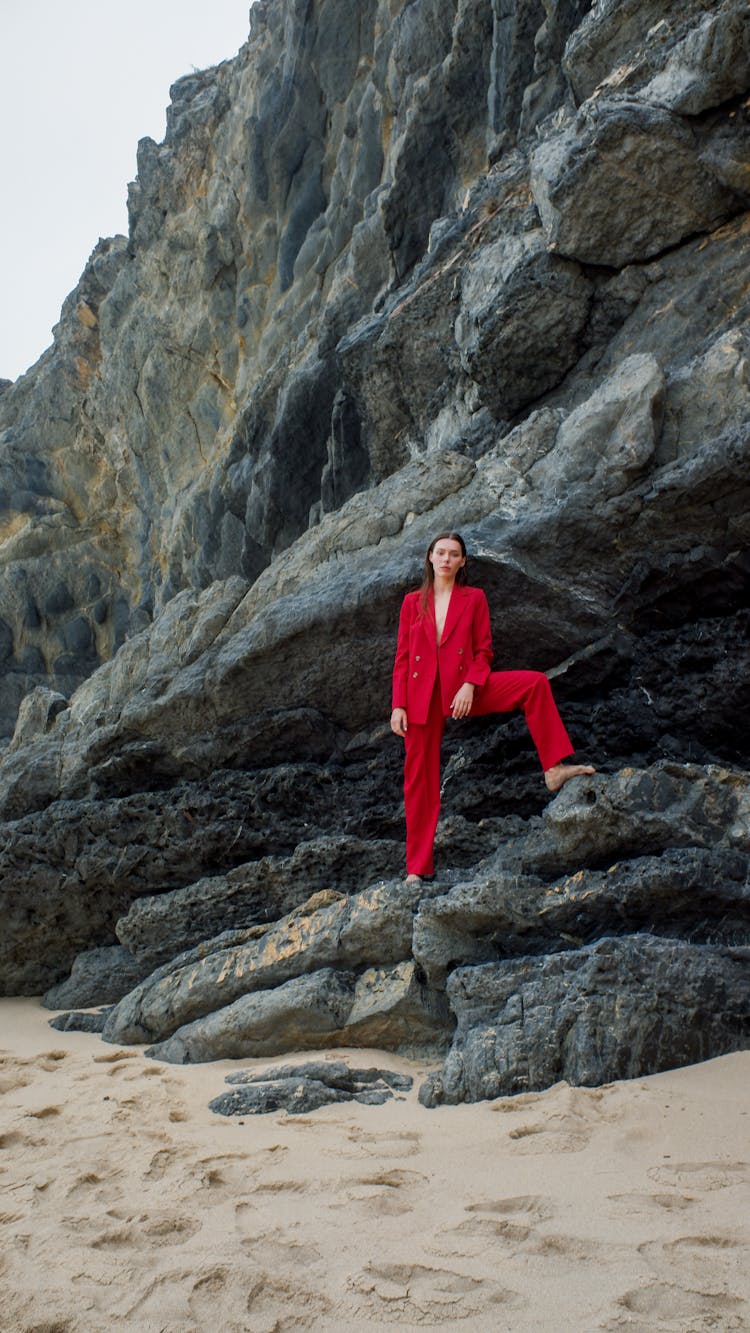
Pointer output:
17, 1142
99, 1188
18, 1072
708, 1263
546, 1138
164, 1160
635, 1203
206, 1298
382, 1146
275, 1306
220, 1177
245, 1297
700, 1177
415, 1293
532, 1206
11, 1078
697, 1281
570, 1116
49, 1061
393, 1180
280, 1187
11, 1140
507, 1222
385, 1193
271, 1249
674, 1307
557, 1246
145, 1231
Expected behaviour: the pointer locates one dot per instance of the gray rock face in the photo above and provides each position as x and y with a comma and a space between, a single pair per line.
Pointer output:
240, 993
526, 312
676, 54
387, 1007
668, 806
396, 269
630, 1006
69, 873
303, 1014
329, 930
610, 146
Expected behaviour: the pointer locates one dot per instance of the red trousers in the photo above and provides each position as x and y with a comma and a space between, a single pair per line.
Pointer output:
502, 692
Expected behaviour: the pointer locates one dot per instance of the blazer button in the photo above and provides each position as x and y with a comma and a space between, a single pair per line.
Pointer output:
460, 650
417, 658
414, 674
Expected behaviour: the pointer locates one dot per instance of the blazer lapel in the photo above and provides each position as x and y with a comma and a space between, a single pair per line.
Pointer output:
456, 608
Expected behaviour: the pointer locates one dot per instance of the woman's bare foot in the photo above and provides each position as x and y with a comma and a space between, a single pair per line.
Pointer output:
559, 774
413, 879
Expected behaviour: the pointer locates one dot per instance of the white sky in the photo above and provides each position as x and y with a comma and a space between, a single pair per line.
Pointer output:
81, 81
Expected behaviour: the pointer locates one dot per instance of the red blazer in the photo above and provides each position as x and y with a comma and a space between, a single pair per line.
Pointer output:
465, 650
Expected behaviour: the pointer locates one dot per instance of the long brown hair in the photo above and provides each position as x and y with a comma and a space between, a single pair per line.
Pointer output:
428, 573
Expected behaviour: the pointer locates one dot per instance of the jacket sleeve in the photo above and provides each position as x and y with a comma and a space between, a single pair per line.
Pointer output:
481, 642
401, 664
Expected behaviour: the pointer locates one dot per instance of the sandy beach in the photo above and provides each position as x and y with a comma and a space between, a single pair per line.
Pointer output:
127, 1203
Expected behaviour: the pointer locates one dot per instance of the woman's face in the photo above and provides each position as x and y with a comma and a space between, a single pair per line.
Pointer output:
447, 558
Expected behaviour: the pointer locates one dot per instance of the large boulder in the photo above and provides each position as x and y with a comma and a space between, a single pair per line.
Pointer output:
584, 183
617, 1009
386, 1007
330, 930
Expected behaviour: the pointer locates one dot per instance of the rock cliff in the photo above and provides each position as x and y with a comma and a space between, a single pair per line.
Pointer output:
397, 266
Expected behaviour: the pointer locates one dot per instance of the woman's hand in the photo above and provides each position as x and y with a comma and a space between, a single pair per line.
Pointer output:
461, 706
399, 724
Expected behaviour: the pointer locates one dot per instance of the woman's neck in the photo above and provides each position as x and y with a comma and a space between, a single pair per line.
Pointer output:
443, 585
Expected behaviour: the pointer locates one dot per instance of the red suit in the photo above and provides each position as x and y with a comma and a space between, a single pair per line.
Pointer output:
426, 679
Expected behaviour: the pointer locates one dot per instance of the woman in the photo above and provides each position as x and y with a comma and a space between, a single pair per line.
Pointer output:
442, 669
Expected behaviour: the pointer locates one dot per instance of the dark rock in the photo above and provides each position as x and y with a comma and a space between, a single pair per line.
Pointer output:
515, 27
690, 893
67, 874
296, 1096
617, 1009
636, 812
159, 928
708, 66
79, 1022
298, 1089
675, 54
548, 90
98, 976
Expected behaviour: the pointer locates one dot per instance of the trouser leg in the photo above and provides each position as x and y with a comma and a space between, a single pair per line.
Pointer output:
422, 786
531, 691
